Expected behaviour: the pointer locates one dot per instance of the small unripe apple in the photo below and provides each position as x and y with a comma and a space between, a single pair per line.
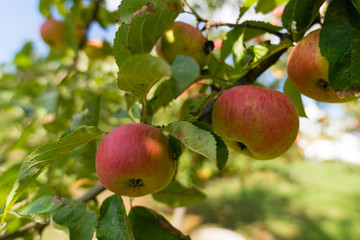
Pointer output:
53, 33
308, 71
135, 160
183, 39
97, 49
259, 122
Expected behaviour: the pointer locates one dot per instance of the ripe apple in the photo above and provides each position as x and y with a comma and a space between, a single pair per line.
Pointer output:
53, 33
97, 49
135, 160
258, 122
308, 71
183, 39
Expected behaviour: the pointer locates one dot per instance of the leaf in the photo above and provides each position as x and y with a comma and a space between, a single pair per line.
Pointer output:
222, 153
39, 210
340, 44
90, 115
142, 23
202, 141
74, 217
245, 6
140, 72
266, 6
257, 28
195, 110
44, 156
113, 221
71, 216
44, 7
147, 224
302, 13
177, 195
185, 71
356, 4
295, 97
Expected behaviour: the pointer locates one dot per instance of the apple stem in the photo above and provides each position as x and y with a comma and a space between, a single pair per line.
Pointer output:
144, 110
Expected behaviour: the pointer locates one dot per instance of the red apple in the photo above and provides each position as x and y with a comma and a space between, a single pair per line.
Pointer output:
134, 160
308, 71
258, 122
53, 33
183, 39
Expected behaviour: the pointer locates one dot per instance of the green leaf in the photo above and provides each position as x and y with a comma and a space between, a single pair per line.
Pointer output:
195, 110
222, 153
176, 146
147, 224
250, 30
113, 221
44, 156
177, 195
39, 210
7, 178
340, 44
185, 71
44, 7
266, 6
90, 115
142, 23
245, 6
295, 97
200, 139
356, 4
71, 216
302, 13
140, 72
75, 218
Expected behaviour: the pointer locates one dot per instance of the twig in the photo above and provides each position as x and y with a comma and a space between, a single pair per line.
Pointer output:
34, 226
209, 23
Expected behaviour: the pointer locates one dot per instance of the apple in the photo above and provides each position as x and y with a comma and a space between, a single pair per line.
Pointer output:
259, 122
183, 39
53, 33
97, 49
278, 11
134, 160
218, 43
308, 71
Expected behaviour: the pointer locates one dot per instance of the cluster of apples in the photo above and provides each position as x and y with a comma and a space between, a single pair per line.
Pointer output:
137, 159
53, 32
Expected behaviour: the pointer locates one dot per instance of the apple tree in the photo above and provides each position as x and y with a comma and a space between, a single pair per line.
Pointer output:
126, 114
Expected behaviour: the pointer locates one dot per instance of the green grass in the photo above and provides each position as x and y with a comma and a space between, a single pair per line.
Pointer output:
299, 200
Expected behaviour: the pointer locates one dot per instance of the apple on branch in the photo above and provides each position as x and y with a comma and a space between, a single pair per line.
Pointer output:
134, 160
53, 33
308, 71
259, 122
183, 39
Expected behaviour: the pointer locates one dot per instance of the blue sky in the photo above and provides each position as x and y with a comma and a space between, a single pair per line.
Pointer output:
20, 21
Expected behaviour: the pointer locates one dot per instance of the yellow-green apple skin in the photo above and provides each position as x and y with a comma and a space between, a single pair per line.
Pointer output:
183, 39
308, 71
134, 160
53, 33
258, 122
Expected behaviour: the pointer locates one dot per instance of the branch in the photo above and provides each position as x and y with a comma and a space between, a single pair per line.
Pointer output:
209, 23
34, 226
